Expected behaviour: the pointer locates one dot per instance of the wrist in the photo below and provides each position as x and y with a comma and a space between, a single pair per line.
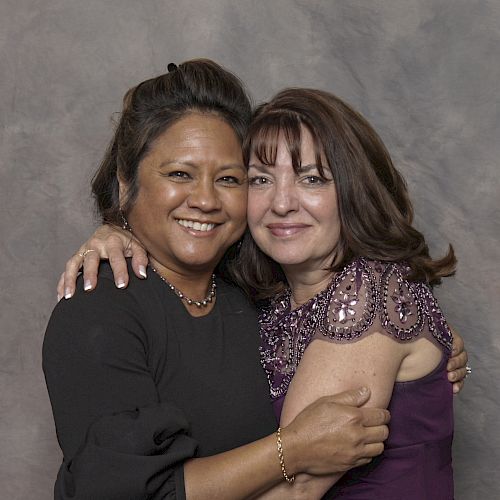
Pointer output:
287, 475
292, 451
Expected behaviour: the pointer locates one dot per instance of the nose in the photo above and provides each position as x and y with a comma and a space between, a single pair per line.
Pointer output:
285, 198
204, 196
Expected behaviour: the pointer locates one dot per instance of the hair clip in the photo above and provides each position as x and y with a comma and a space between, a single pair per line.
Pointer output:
171, 67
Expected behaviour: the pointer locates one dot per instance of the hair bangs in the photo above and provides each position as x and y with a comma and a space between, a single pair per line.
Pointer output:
280, 125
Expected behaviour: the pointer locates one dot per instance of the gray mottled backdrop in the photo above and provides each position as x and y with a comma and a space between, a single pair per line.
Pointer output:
424, 72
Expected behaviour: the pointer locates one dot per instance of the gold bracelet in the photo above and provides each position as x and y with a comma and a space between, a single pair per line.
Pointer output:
288, 479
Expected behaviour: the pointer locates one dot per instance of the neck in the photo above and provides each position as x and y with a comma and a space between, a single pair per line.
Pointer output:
305, 284
194, 285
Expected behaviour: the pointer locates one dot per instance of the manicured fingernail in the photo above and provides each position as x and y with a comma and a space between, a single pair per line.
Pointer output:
87, 285
142, 271
120, 283
68, 293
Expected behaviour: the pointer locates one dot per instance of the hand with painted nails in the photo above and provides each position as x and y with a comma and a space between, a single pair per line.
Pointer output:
107, 243
457, 364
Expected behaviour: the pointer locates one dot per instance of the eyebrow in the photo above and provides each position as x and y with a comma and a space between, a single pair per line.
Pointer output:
308, 168
301, 169
260, 168
229, 166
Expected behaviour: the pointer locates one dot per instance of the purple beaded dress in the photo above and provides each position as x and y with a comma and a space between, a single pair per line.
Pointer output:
369, 296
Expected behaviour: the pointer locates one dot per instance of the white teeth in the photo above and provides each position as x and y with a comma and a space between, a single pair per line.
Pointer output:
196, 225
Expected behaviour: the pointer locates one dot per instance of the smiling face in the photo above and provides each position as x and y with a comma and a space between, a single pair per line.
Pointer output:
293, 217
191, 203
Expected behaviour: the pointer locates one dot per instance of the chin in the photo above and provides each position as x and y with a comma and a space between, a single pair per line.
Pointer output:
286, 255
202, 258
195, 262
287, 259
199, 257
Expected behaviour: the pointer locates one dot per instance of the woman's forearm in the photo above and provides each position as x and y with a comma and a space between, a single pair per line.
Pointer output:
251, 471
254, 471
244, 472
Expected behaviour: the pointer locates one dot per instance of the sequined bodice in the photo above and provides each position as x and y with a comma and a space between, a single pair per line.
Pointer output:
365, 296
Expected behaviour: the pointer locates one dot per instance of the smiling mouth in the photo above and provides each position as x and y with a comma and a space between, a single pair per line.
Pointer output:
284, 230
197, 226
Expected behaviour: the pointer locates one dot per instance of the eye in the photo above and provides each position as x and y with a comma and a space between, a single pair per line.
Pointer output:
179, 175
258, 180
230, 179
313, 180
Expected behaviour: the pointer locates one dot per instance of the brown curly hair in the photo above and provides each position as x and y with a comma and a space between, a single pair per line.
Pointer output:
374, 206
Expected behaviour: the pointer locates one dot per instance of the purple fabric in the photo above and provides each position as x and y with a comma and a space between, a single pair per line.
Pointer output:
373, 296
416, 463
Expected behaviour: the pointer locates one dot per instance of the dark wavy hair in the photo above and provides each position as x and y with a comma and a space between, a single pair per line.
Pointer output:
374, 207
149, 109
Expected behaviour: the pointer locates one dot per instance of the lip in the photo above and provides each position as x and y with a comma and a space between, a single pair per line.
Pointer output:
283, 230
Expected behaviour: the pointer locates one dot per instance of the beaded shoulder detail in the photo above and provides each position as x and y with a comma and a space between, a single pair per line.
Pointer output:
364, 296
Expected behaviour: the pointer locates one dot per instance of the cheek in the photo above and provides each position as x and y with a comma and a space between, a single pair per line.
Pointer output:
328, 215
323, 205
253, 215
235, 203
170, 195
155, 200
258, 205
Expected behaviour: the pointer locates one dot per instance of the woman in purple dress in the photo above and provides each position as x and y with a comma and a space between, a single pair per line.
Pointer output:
350, 281
345, 283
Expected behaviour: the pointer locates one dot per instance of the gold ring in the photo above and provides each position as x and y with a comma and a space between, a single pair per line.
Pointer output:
85, 252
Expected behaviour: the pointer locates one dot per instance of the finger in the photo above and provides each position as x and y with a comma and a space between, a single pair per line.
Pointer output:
70, 274
361, 461
372, 450
60, 288
376, 434
458, 361
118, 265
457, 375
458, 342
375, 416
139, 259
354, 397
127, 252
458, 386
90, 268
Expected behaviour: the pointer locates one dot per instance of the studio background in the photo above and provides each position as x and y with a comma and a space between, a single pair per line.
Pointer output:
424, 72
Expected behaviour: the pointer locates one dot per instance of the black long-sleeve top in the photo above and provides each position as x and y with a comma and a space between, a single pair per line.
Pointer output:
138, 386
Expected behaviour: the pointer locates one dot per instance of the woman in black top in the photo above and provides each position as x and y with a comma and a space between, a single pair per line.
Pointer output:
157, 391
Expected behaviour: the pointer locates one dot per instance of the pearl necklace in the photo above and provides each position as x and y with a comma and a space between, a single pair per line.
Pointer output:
198, 303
